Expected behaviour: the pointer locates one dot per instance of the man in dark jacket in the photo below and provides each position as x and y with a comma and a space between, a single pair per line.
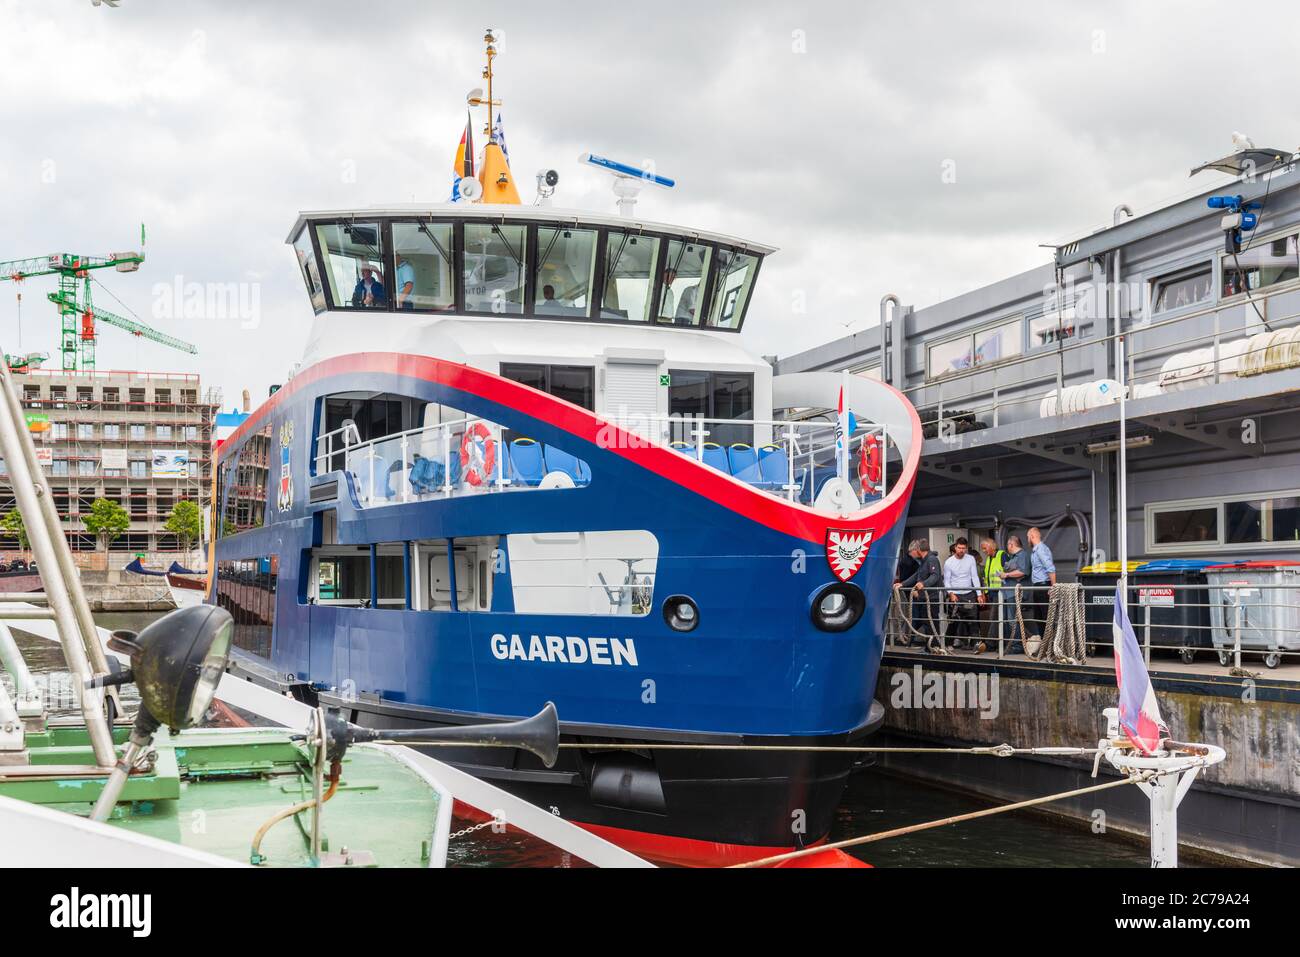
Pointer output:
923, 584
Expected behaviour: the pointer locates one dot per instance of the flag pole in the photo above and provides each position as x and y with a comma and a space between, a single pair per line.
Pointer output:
1123, 460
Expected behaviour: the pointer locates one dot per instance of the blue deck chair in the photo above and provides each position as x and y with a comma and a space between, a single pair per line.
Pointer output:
685, 448
716, 456
558, 460
526, 464
774, 467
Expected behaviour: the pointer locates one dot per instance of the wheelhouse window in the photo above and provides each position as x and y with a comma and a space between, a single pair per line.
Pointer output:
629, 276
354, 263
495, 259
1262, 265
1056, 325
1187, 287
423, 268
566, 266
685, 271
736, 271
310, 271
576, 384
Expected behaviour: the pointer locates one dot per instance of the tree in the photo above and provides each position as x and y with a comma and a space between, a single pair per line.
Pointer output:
106, 521
186, 523
12, 524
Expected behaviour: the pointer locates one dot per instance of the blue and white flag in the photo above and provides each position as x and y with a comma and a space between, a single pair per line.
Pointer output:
1139, 712
499, 137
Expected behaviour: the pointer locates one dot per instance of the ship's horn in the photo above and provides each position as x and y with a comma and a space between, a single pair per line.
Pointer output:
539, 735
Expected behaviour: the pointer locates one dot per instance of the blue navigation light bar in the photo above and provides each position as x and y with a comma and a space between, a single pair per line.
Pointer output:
622, 169
1224, 202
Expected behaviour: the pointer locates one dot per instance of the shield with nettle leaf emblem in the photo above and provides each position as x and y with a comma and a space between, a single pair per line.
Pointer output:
847, 550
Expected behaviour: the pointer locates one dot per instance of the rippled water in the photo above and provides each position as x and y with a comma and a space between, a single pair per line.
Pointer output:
874, 801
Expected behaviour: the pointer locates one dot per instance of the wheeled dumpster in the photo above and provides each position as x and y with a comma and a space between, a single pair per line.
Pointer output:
1171, 593
1260, 601
1098, 583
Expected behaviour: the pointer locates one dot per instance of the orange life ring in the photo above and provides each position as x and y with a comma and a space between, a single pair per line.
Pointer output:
869, 464
478, 454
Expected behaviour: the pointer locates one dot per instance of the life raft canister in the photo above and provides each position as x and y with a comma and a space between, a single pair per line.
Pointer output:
478, 454
869, 464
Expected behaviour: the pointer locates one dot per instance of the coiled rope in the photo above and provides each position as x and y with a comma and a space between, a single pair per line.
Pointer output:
900, 612
1064, 640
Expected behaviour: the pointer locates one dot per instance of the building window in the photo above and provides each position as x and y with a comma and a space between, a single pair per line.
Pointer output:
85, 466
247, 589
1052, 327
191, 433
59, 468
1261, 265
139, 469
576, 384
985, 347
59, 431
138, 433
1187, 287
1239, 523
163, 432
85, 431
112, 433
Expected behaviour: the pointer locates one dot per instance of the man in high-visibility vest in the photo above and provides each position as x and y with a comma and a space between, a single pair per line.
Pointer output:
991, 576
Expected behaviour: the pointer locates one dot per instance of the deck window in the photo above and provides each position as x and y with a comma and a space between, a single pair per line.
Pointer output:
343, 579
495, 261
247, 588
735, 280
310, 270
1261, 264
566, 265
685, 271
354, 258
629, 276
423, 267
711, 395
1187, 287
576, 384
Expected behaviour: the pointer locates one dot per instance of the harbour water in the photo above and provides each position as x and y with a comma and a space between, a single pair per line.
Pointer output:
874, 801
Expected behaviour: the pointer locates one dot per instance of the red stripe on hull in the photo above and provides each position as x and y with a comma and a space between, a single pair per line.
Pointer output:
790, 518
691, 852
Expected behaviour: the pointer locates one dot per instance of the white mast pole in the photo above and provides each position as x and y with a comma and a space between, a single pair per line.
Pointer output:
1122, 520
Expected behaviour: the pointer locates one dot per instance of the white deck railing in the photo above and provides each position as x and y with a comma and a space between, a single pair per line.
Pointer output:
810, 448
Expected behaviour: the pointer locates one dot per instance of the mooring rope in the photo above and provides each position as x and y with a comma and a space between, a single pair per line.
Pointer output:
934, 643
996, 750
1064, 638
955, 819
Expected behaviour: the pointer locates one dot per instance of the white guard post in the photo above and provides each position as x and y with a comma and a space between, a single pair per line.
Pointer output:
1167, 791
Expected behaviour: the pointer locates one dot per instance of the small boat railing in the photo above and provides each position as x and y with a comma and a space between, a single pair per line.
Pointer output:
811, 449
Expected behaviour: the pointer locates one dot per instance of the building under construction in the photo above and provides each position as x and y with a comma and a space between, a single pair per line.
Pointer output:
141, 439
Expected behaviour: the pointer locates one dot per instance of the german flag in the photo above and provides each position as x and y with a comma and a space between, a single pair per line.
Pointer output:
464, 165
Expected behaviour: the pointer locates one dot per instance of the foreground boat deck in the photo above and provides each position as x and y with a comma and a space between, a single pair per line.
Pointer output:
211, 789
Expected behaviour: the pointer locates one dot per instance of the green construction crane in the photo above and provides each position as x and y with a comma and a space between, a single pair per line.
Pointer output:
76, 311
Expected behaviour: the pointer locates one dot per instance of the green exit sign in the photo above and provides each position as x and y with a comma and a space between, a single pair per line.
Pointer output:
665, 380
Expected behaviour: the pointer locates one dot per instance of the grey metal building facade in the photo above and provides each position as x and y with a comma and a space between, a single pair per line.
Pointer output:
1213, 366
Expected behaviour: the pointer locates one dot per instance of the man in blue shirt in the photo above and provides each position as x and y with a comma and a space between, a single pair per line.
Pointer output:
405, 283
1042, 573
1016, 572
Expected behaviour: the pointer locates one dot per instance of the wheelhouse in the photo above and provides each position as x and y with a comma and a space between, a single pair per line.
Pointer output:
531, 262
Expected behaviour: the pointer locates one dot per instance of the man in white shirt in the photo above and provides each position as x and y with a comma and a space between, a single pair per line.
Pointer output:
961, 580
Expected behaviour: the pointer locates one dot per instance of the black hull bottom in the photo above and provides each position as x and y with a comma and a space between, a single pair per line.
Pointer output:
677, 805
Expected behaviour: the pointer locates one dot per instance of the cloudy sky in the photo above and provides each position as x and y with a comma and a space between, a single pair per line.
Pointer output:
917, 148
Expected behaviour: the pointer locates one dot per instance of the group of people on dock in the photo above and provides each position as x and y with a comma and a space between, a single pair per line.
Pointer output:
978, 594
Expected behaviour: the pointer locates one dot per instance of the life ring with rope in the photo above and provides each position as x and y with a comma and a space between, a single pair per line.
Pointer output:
478, 454
869, 469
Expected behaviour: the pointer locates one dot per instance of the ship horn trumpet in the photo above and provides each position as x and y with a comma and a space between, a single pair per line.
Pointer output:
539, 735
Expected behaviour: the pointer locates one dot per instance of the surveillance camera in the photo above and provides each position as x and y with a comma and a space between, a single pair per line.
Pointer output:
547, 177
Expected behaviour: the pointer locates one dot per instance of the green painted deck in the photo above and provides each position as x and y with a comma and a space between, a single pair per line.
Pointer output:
212, 789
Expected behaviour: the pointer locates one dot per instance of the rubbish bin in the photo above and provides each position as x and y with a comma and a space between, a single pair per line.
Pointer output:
1098, 583
1173, 592
1262, 600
